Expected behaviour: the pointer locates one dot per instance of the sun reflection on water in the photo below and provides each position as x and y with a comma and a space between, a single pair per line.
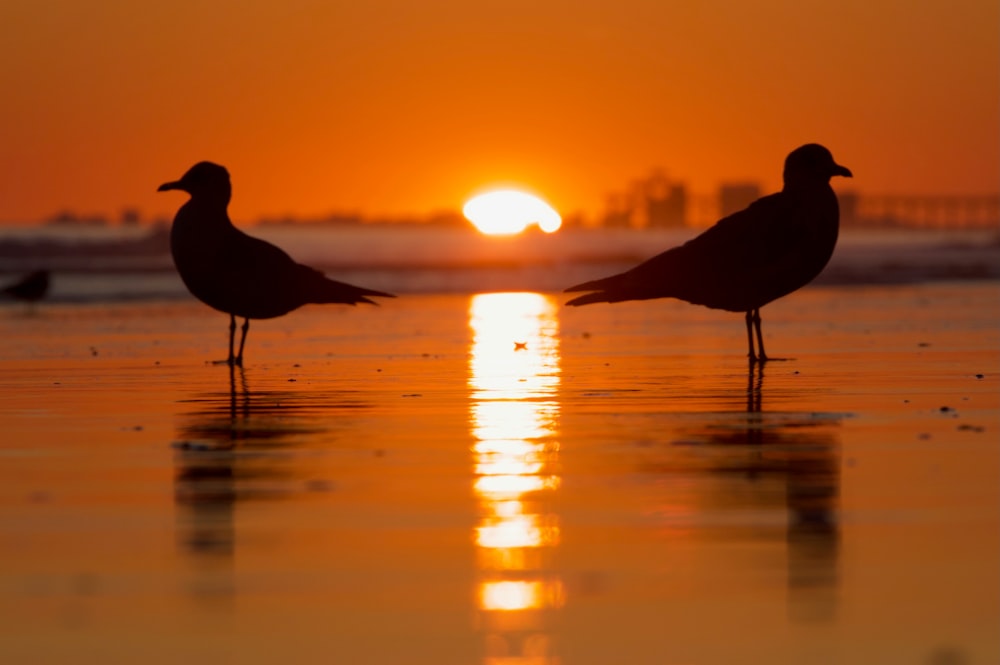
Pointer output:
514, 382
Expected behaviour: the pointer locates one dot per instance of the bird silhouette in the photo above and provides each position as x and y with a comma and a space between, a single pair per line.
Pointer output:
236, 273
31, 288
775, 246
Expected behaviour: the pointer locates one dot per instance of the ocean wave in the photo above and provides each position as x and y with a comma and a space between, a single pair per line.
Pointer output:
459, 261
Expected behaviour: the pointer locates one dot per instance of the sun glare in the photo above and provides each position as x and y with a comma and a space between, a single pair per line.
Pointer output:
514, 418
508, 211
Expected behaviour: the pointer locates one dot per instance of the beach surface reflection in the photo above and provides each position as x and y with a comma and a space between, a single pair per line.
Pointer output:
494, 478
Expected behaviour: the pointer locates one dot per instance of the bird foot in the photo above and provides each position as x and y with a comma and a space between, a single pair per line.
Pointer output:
764, 359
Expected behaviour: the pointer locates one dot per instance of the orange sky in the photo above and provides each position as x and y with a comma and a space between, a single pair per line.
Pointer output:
396, 106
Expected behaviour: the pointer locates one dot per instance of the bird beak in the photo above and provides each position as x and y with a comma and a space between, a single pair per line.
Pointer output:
842, 170
169, 185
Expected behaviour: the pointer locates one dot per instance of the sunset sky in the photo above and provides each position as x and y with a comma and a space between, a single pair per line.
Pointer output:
389, 107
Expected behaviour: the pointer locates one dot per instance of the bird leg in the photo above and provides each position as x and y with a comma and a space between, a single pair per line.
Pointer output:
243, 340
750, 353
753, 323
232, 335
237, 359
761, 356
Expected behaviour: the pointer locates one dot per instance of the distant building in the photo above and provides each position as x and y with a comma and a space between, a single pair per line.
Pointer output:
849, 202
69, 218
669, 210
736, 196
651, 202
618, 213
447, 218
342, 219
871, 211
130, 217
574, 220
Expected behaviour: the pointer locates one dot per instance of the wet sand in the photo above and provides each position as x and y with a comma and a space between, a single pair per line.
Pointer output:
498, 479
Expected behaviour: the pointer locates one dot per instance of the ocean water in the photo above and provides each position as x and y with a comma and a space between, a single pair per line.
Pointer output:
420, 260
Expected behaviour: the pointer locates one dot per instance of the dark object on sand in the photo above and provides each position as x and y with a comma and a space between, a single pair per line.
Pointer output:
234, 272
775, 246
31, 288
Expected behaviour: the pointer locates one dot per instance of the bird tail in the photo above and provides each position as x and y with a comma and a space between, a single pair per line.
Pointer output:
368, 292
322, 289
609, 289
339, 292
587, 299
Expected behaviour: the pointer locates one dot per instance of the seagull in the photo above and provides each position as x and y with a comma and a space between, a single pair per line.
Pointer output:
777, 245
31, 288
235, 273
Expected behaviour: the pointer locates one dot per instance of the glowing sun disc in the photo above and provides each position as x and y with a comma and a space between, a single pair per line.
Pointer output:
508, 211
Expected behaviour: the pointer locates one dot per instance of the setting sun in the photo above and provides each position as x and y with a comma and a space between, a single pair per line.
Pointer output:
508, 211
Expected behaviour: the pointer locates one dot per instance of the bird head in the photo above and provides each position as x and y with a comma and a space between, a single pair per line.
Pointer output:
204, 180
812, 163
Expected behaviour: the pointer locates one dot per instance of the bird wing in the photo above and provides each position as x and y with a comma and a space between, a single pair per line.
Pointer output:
716, 268
242, 275
270, 283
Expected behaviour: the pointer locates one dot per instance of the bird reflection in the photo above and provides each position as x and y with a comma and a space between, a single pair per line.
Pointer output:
514, 381
235, 446
205, 492
788, 461
755, 387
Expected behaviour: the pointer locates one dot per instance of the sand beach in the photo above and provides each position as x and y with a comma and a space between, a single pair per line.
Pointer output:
495, 478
